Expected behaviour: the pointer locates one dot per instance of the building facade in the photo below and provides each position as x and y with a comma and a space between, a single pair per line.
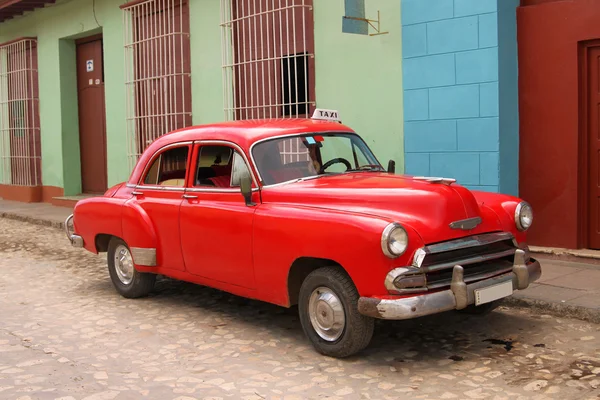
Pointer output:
85, 85
499, 94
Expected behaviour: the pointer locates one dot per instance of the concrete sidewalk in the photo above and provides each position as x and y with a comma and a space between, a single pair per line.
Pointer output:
37, 213
567, 288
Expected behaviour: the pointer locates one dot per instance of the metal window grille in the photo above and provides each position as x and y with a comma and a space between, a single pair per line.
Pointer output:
20, 150
268, 58
293, 150
157, 71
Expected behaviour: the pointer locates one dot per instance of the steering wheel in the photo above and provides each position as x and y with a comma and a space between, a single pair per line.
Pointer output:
335, 161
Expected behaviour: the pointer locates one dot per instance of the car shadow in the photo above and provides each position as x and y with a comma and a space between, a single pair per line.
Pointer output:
448, 337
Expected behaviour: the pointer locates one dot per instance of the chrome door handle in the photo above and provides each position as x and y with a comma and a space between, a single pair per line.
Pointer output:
189, 196
136, 193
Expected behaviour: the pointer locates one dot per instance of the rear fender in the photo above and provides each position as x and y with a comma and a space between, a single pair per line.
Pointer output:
139, 234
97, 215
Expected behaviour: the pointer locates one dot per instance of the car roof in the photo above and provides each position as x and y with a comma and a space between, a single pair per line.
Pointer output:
243, 133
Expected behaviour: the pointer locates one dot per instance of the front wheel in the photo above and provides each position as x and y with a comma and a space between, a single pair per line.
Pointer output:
129, 282
328, 307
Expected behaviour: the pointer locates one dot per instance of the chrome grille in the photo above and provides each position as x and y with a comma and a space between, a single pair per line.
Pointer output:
481, 256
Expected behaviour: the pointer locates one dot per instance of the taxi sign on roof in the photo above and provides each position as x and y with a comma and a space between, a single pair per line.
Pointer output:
328, 115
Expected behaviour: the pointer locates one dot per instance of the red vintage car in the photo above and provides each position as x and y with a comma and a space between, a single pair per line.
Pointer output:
299, 211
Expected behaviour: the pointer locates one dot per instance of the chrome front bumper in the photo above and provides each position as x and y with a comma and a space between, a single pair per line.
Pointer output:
459, 296
76, 240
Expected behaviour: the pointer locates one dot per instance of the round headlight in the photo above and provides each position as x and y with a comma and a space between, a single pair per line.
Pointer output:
394, 240
523, 216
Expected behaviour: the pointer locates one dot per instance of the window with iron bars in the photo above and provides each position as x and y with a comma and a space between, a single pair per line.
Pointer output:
268, 58
157, 71
20, 149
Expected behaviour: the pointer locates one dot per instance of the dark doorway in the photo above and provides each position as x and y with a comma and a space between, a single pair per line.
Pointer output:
92, 122
592, 166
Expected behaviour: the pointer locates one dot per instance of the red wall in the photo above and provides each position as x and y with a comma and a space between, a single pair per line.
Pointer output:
549, 33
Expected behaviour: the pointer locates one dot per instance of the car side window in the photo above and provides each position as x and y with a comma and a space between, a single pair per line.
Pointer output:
218, 166
169, 168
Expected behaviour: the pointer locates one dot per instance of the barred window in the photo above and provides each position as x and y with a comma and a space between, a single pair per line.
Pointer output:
157, 70
268, 58
20, 149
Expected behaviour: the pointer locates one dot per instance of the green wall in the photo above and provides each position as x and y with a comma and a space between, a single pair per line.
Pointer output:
358, 75
361, 76
56, 28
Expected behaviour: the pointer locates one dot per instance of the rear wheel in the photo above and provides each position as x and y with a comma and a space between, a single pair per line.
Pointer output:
127, 280
328, 308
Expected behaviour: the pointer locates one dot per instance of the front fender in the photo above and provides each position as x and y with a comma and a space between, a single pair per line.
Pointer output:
284, 233
504, 207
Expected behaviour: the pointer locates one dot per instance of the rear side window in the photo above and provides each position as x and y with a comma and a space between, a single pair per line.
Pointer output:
169, 168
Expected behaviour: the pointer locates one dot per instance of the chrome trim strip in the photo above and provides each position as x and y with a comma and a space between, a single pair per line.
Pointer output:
168, 146
466, 224
435, 179
161, 188
216, 190
518, 215
295, 135
469, 241
130, 185
144, 256
239, 149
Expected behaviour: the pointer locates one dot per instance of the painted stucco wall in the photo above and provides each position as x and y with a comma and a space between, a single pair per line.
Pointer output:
451, 91
361, 75
56, 27
357, 74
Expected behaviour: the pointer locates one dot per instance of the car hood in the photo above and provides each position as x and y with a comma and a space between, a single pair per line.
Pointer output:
429, 208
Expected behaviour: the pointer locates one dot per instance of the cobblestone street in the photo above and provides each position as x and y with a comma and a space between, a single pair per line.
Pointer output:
65, 333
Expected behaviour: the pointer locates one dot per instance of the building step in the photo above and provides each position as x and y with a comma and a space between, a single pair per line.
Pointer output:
70, 201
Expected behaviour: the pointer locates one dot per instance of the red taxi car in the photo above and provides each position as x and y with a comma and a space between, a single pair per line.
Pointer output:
299, 211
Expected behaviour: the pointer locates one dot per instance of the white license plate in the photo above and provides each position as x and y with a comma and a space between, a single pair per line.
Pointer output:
491, 293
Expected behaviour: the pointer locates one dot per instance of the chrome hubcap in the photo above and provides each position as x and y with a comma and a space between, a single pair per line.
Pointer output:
124, 264
326, 314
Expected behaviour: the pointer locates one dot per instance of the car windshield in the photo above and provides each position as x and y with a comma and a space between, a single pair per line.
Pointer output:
312, 155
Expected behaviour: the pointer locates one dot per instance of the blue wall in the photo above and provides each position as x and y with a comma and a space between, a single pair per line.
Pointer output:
451, 91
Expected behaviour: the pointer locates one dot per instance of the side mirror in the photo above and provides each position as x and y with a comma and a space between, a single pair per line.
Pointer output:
391, 166
246, 186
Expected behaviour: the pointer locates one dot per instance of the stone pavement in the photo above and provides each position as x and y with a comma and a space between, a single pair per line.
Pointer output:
566, 287
66, 334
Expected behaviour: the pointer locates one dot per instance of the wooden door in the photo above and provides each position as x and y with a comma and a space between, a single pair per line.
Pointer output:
92, 124
593, 164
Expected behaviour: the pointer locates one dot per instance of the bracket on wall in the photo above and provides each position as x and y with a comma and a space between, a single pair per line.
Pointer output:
370, 22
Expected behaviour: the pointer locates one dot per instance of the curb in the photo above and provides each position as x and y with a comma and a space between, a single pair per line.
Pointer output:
32, 220
555, 309
560, 252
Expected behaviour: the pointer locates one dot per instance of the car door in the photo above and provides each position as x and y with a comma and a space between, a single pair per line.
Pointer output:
160, 193
215, 222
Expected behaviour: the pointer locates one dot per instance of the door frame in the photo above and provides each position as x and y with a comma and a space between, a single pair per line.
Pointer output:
583, 238
80, 41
